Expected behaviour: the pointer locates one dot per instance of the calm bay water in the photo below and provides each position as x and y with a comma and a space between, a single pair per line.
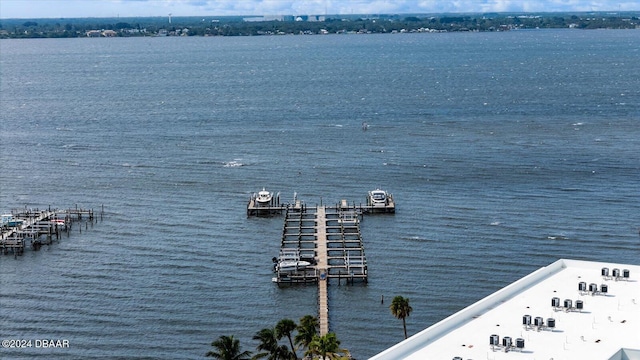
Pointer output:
504, 151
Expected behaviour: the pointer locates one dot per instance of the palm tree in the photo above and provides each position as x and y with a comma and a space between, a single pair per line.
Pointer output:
284, 328
228, 348
307, 329
327, 347
401, 309
269, 346
268, 342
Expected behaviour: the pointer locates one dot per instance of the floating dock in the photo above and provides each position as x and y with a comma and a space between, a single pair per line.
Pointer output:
24, 226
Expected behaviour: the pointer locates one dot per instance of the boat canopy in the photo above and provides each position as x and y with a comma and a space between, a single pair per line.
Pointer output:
378, 195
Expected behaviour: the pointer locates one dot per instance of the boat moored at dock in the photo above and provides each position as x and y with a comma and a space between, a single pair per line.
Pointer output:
265, 203
28, 226
378, 198
264, 198
380, 201
290, 260
291, 265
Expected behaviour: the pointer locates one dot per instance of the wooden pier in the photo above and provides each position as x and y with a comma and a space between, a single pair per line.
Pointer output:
275, 207
321, 243
329, 240
322, 266
30, 225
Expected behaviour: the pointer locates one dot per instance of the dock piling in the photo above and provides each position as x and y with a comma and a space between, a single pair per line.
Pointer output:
33, 223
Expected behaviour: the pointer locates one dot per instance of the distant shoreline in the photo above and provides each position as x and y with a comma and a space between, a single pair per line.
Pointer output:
308, 25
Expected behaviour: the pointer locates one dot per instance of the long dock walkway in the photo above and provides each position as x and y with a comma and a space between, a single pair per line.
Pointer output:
322, 266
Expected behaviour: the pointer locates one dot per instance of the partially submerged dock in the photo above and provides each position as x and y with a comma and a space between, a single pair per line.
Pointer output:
37, 227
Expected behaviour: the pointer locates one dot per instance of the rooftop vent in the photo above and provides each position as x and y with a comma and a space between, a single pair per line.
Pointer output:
616, 273
538, 321
604, 288
506, 341
551, 323
582, 286
568, 303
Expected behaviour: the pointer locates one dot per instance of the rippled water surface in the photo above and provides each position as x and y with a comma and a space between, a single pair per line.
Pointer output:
504, 152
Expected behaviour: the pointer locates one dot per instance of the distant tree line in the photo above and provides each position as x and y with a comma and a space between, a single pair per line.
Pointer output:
235, 26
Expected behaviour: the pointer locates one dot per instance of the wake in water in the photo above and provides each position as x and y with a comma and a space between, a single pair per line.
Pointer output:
233, 163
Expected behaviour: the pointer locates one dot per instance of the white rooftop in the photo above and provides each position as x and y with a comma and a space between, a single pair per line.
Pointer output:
606, 328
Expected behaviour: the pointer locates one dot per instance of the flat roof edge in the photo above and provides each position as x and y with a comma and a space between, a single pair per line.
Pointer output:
626, 354
441, 328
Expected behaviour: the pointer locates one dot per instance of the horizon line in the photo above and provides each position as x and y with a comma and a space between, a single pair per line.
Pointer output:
611, 12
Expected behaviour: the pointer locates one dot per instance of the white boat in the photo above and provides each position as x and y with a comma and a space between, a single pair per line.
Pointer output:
378, 198
6, 218
9, 221
291, 265
264, 198
289, 261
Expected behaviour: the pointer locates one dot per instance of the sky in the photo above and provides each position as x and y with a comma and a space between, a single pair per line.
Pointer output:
30, 9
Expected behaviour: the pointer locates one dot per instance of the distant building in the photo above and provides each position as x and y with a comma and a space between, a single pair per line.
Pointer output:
101, 33
135, 31
310, 18
263, 18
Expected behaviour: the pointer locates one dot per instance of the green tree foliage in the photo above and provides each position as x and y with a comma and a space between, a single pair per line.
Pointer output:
285, 327
307, 329
235, 26
401, 309
228, 348
327, 347
269, 347
123, 25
